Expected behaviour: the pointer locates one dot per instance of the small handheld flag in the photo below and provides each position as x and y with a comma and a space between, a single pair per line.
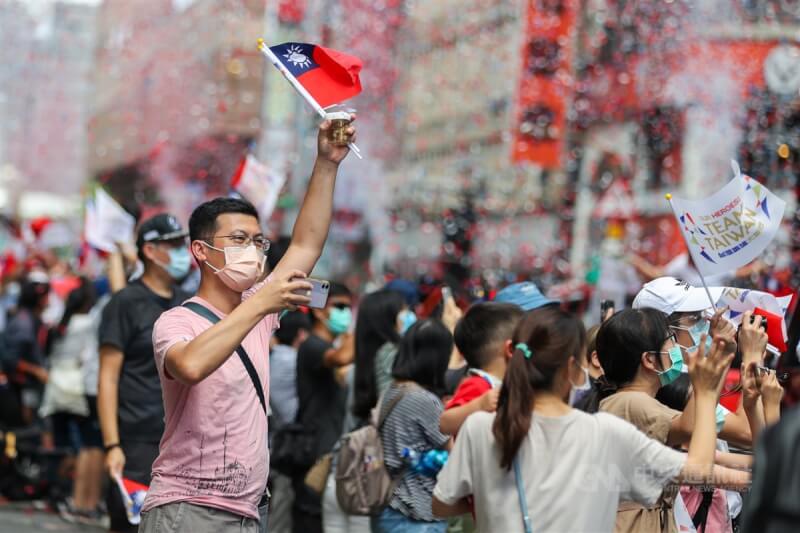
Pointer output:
329, 76
133, 495
323, 76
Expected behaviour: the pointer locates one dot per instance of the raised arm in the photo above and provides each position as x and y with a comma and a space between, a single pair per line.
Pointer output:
771, 395
314, 220
191, 362
706, 373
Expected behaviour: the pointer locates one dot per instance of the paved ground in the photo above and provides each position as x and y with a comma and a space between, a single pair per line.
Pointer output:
27, 518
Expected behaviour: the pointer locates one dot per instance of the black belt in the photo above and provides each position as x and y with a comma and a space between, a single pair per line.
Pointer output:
264, 499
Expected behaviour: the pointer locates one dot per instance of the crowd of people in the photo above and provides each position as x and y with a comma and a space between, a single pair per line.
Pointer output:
208, 377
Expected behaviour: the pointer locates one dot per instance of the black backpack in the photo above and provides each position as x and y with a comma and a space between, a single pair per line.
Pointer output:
773, 504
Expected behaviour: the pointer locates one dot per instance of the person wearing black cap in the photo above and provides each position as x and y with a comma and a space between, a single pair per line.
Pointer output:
129, 396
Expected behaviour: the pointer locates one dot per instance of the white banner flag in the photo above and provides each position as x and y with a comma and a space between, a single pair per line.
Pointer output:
107, 223
731, 227
259, 185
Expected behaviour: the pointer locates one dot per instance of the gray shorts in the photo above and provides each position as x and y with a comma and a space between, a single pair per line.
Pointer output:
180, 517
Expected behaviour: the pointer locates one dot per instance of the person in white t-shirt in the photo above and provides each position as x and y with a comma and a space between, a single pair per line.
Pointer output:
562, 469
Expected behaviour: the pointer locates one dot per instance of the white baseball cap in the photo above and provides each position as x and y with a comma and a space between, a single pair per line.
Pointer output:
670, 295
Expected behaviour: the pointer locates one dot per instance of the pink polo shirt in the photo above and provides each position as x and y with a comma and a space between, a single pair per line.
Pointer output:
214, 449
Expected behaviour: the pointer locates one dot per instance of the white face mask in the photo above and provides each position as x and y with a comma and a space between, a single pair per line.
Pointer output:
243, 266
578, 392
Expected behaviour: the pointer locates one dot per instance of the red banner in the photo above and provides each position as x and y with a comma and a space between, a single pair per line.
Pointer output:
546, 83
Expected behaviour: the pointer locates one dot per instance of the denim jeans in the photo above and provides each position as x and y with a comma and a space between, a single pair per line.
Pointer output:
392, 521
263, 517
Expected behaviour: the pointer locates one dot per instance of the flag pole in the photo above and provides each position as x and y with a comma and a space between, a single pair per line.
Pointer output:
668, 196
299, 87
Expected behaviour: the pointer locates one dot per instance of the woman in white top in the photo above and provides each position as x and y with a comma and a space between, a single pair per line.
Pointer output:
574, 467
70, 399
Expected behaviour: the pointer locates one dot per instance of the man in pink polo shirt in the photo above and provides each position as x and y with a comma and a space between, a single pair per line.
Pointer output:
211, 471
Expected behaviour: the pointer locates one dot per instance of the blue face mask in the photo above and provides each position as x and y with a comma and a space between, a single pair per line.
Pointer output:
339, 320
720, 415
673, 372
696, 332
407, 319
180, 261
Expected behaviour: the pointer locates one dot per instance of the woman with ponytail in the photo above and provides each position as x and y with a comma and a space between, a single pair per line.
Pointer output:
537, 464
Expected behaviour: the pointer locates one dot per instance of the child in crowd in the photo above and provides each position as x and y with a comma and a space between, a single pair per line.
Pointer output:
483, 336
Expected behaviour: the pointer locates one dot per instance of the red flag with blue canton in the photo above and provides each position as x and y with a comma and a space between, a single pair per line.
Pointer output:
328, 75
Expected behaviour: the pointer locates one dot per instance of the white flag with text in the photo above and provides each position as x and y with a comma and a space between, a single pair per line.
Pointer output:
730, 228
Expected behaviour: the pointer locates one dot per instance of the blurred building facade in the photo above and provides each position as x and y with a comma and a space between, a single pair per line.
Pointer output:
45, 88
476, 140
178, 97
581, 115
665, 96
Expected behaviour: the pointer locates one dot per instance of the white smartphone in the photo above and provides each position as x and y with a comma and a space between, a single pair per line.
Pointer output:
319, 293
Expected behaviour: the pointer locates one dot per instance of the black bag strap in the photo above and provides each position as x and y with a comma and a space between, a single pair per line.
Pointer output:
701, 514
206, 313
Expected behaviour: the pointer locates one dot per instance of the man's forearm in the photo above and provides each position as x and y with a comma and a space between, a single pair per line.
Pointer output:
200, 357
116, 272
314, 219
107, 403
700, 458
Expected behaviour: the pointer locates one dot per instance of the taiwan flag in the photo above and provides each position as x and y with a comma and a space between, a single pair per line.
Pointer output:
328, 75
133, 494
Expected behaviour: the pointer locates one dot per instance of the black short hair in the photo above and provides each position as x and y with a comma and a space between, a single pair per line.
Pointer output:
31, 294
482, 327
339, 289
203, 222
623, 338
676, 394
424, 354
291, 324
336, 289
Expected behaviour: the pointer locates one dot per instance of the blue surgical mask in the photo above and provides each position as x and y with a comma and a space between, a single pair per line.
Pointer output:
339, 320
407, 319
696, 332
673, 372
720, 415
180, 261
